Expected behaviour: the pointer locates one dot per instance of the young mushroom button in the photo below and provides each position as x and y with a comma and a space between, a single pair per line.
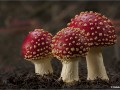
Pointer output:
101, 33
68, 45
36, 48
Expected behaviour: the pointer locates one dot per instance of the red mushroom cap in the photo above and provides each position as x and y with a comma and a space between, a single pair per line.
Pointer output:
70, 43
98, 28
37, 45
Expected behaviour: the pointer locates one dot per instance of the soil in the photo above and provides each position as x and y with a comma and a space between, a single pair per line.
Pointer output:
21, 79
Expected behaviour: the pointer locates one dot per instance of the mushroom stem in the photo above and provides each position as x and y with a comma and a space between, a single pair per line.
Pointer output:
95, 64
43, 67
69, 72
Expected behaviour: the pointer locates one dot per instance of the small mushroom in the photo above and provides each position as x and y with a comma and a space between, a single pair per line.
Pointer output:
36, 48
68, 45
101, 33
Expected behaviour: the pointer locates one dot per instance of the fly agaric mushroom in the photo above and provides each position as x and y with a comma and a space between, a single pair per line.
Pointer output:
68, 45
36, 48
101, 33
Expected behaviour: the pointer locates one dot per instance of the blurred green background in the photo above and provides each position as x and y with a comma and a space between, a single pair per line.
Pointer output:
17, 18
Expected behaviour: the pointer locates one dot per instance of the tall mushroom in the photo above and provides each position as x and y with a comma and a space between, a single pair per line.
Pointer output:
36, 48
68, 45
101, 33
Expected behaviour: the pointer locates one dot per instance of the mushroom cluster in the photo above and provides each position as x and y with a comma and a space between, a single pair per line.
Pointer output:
36, 47
85, 35
101, 33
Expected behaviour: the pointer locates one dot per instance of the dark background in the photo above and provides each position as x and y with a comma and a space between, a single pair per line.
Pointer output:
17, 18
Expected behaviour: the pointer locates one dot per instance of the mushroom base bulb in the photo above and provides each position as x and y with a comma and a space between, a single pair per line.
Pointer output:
69, 72
43, 67
95, 64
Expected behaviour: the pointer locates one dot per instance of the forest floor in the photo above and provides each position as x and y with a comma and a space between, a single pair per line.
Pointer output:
21, 79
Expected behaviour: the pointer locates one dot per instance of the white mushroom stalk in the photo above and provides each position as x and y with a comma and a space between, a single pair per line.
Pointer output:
69, 71
95, 64
43, 67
